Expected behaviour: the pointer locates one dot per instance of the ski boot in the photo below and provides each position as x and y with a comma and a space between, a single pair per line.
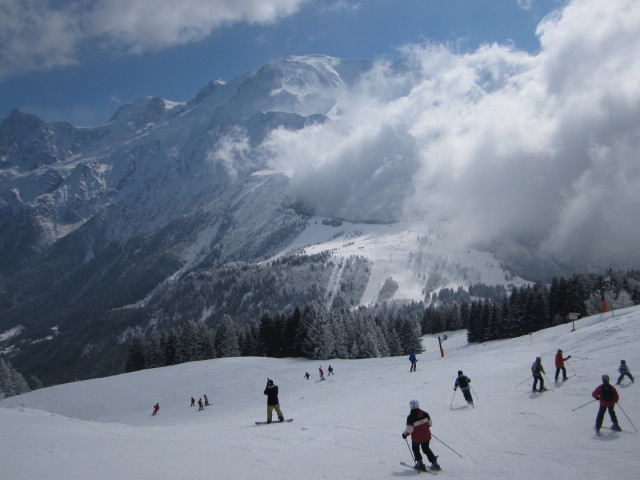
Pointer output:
420, 466
435, 466
615, 427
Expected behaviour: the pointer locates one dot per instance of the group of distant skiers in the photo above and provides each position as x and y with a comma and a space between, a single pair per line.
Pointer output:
200, 404
320, 373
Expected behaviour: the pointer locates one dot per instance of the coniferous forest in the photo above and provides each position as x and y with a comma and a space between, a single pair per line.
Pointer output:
315, 332
13, 382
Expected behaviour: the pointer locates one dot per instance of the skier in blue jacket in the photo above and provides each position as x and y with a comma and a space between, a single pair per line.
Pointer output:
414, 361
624, 372
463, 382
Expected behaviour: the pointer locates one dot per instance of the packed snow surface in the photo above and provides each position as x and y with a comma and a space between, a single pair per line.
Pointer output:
346, 427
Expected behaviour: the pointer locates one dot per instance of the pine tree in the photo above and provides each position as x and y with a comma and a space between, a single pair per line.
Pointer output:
135, 355
227, 338
187, 342
171, 348
153, 352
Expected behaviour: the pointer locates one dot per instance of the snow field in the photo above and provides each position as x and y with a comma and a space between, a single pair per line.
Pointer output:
346, 427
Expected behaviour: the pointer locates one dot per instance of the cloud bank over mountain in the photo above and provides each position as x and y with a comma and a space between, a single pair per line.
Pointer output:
41, 34
495, 144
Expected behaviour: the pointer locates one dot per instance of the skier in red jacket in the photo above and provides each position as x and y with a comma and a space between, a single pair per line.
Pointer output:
418, 423
608, 397
560, 365
156, 407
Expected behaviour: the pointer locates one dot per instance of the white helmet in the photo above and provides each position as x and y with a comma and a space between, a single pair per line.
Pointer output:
414, 404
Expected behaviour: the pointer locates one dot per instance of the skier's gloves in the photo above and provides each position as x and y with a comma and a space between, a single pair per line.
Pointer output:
404, 435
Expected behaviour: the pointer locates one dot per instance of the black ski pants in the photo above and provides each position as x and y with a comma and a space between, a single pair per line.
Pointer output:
467, 394
537, 378
622, 375
600, 416
564, 373
425, 448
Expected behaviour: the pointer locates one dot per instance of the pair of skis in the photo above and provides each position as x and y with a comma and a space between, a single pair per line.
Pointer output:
427, 469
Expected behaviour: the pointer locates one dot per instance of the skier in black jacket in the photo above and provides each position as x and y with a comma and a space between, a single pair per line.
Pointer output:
463, 382
537, 370
272, 401
624, 371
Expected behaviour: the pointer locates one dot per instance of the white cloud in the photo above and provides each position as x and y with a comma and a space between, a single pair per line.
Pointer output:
39, 34
525, 4
342, 6
500, 144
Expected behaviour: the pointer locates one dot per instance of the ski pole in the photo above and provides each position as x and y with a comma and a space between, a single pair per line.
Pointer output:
454, 394
474, 392
545, 377
583, 405
523, 381
410, 451
446, 445
625, 414
571, 367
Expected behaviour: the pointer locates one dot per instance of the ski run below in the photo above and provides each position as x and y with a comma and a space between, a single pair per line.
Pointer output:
346, 427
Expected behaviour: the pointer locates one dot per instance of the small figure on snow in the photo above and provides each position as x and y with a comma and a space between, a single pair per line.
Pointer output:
463, 382
156, 407
537, 370
608, 397
330, 370
272, 401
200, 406
206, 400
193, 401
306, 375
624, 371
560, 365
418, 423
414, 361
321, 373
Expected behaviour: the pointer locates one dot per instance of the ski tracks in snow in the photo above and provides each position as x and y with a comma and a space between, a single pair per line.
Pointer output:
334, 282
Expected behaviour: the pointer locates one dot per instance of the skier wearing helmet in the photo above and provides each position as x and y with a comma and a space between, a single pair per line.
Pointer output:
607, 395
418, 423
463, 382
537, 370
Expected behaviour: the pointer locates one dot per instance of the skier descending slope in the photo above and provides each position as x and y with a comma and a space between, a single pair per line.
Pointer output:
418, 426
464, 383
608, 397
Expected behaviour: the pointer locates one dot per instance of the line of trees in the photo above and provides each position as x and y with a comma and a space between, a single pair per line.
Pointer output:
312, 332
315, 332
533, 307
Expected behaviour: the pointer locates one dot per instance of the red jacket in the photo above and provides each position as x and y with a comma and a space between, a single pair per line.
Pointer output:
597, 393
418, 423
560, 360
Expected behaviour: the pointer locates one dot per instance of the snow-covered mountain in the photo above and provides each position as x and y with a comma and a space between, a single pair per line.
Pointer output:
347, 426
102, 228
